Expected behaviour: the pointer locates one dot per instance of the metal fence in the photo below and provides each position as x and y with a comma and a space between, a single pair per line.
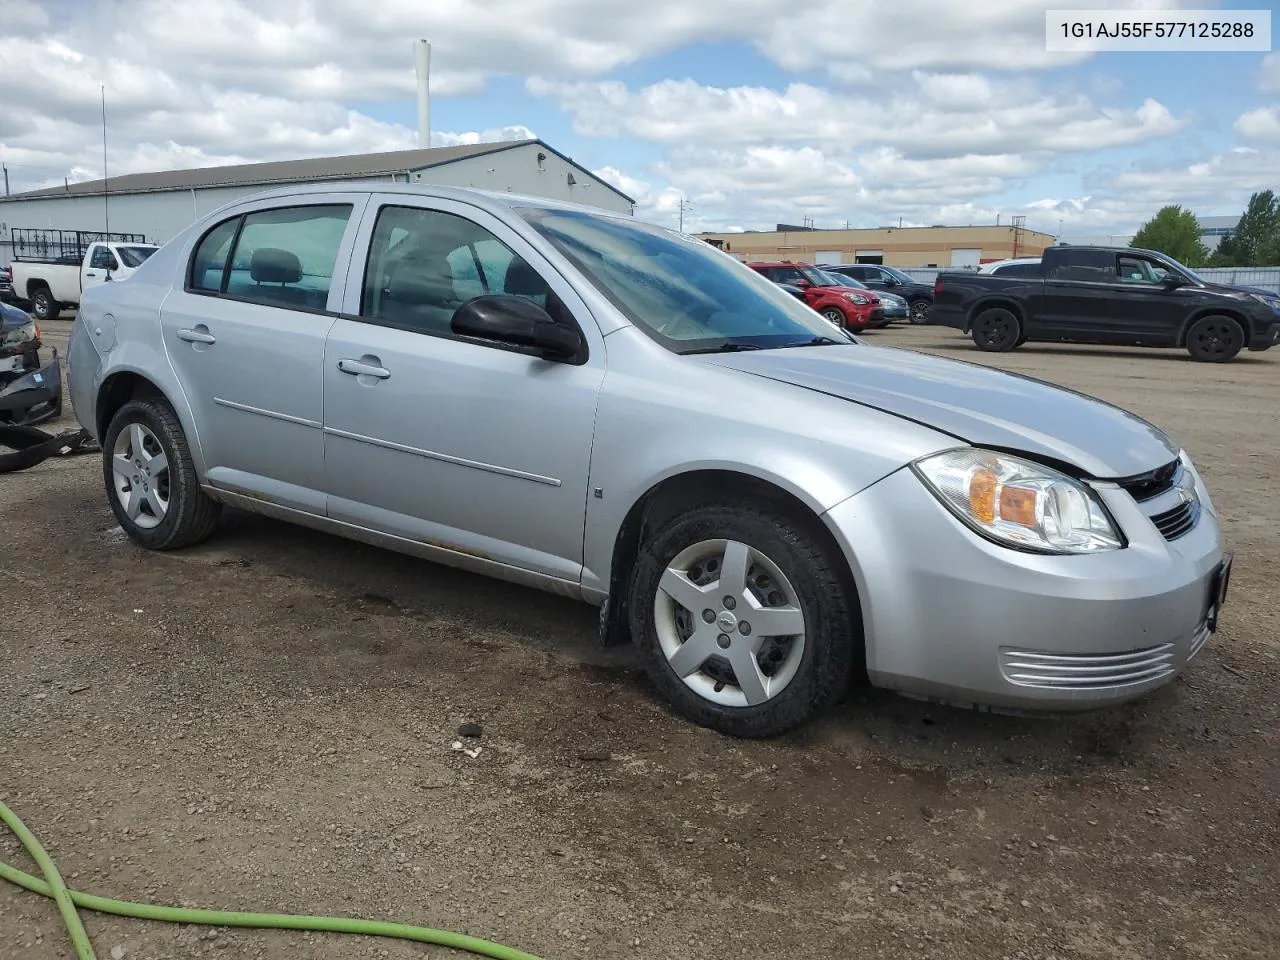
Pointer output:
1267, 278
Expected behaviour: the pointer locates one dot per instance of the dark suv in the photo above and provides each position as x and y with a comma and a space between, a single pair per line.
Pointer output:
919, 296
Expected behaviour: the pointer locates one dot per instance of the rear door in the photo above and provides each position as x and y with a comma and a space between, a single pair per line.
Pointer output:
1075, 299
246, 335
457, 443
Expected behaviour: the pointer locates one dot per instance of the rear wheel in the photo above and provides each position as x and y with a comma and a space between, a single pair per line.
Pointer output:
1215, 339
996, 330
744, 619
151, 480
43, 306
920, 311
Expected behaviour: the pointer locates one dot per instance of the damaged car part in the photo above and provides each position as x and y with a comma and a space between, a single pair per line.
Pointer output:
30, 392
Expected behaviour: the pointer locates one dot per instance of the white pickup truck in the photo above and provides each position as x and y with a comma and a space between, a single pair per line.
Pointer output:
52, 284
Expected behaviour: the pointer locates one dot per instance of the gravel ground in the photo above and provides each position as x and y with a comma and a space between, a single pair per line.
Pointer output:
265, 723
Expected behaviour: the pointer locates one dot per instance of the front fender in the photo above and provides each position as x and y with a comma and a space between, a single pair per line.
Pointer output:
818, 448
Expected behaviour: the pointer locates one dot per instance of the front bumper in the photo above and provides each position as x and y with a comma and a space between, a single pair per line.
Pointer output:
33, 397
1267, 338
950, 616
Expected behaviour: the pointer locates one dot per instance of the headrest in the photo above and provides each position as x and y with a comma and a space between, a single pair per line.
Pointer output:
421, 283
272, 265
523, 281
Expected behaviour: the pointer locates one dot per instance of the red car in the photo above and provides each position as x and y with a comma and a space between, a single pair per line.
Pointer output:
844, 306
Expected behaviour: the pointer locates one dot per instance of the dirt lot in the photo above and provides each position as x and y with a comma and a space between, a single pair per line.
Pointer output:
265, 723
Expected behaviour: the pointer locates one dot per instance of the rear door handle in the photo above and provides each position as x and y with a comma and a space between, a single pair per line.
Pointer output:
196, 336
361, 368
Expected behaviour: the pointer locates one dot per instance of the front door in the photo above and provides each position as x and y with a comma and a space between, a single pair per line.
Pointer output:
100, 263
246, 337
457, 443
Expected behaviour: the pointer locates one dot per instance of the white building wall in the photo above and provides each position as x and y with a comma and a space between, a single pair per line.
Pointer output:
158, 216
162, 215
517, 170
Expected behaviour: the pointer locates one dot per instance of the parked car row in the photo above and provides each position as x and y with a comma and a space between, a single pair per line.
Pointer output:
764, 506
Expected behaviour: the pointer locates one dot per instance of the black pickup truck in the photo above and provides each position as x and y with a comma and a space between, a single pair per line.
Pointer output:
1107, 295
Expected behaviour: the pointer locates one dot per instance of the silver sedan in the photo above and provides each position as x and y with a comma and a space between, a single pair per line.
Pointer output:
767, 507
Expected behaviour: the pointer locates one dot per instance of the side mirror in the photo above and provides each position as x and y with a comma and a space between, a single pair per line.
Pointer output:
519, 323
1171, 282
802, 283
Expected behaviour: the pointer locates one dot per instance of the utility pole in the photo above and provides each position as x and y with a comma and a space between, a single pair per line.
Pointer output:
683, 203
422, 52
6, 181
106, 204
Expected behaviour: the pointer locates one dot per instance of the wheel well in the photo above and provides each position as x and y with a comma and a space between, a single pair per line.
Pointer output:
117, 390
1211, 312
35, 286
978, 308
685, 491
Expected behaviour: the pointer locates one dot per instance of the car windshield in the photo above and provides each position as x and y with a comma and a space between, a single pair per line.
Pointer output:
134, 256
685, 294
897, 275
818, 277
845, 280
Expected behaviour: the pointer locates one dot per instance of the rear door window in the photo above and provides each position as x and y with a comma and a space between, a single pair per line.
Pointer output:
286, 257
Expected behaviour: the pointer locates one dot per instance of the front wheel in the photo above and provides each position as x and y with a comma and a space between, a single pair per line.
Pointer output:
1214, 339
996, 330
836, 315
745, 621
43, 306
919, 311
151, 480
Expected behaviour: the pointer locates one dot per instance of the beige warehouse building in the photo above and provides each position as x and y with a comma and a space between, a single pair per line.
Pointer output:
893, 246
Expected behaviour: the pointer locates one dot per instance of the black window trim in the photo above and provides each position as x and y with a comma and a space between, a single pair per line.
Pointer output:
582, 357
221, 294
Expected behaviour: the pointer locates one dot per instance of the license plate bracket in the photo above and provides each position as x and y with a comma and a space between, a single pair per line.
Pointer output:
1218, 584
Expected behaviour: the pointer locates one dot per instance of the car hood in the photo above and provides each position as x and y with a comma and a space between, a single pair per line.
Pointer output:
973, 403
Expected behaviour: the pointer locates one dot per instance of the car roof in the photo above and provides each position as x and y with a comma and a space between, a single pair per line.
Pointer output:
494, 200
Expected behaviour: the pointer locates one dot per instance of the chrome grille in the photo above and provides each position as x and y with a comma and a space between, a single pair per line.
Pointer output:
1174, 523
1084, 671
1149, 485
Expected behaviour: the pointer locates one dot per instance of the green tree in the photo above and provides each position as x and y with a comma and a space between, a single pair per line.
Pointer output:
1256, 240
1174, 232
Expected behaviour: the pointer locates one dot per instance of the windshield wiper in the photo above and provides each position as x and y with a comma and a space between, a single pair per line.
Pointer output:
815, 342
726, 348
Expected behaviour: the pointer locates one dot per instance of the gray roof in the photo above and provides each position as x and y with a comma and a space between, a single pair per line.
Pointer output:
292, 171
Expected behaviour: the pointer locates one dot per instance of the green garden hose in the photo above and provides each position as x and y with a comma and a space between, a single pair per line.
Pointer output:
53, 887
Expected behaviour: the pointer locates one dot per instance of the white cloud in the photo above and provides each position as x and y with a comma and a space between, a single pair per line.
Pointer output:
1260, 124
1269, 73
942, 115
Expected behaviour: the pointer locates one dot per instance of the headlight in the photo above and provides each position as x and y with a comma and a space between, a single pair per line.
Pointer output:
24, 333
1272, 302
1019, 503
856, 298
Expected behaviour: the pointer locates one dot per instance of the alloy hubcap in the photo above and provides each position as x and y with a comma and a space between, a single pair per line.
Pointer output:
140, 475
729, 623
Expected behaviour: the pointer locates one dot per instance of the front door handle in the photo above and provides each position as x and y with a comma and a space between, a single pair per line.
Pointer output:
364, 368
197, 336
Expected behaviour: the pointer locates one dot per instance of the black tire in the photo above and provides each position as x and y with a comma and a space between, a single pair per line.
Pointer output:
825, 594
996, 330
919, 310
836, 316
191, 516
43, 306
1215, 339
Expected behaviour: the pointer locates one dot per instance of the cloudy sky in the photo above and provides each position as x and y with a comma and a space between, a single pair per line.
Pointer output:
858, 111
